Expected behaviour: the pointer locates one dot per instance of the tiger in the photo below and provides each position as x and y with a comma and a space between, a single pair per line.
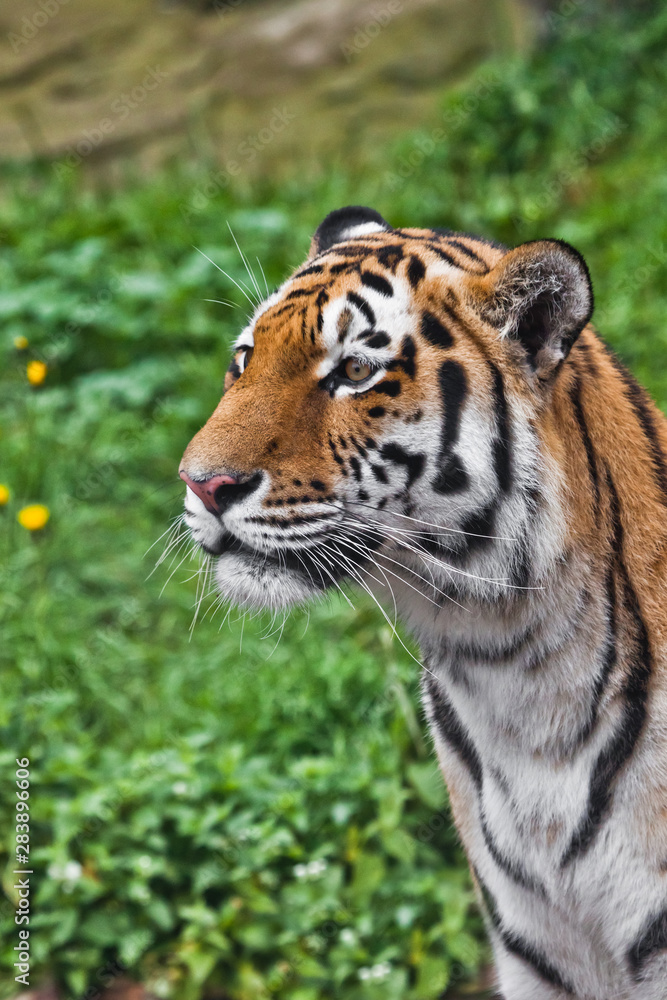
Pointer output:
431, 416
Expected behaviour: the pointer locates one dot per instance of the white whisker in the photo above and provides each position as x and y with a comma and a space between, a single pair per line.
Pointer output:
241, 287
247, 265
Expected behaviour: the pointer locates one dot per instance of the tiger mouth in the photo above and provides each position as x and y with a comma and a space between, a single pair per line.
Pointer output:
304, 565
317, 567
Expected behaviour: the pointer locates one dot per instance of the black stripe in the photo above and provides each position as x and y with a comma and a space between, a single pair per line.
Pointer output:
278, 311
414, 463
501, 446
416, 271
513, 869
445, 256
379, 339
641, 404
376, 281
390, 256
390, 387
433, 331
453, 388
479, 526
359, 447
451, 476
468, 252
608, 664
436, 545
517, 946
452, 731
575, 397
376, 411
362, 306
313, 269
521, 565
635, 696
454, 316
495, 654
537, 961
652, 939
352, 250
407, 358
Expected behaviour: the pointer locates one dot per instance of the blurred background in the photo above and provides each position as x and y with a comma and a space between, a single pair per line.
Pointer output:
233, 809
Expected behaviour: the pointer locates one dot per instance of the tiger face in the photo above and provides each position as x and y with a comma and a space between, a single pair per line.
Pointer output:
386, 402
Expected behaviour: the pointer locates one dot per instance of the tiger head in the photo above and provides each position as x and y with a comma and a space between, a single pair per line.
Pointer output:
386, 406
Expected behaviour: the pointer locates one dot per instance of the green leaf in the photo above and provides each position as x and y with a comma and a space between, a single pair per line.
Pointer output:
427, 781
432, 978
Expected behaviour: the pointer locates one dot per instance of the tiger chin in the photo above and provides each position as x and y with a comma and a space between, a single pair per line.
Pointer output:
430, 416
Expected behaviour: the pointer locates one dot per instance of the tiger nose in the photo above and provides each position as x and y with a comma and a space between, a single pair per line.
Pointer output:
214, 493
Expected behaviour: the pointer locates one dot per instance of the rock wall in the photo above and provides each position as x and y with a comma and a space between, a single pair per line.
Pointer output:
246, 83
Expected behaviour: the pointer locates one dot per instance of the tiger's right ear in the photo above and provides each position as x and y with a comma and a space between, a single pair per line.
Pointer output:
346, 224
539, 295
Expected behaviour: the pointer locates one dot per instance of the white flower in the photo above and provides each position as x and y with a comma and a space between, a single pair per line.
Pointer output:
377, 972
311, 870
381, 970
70, 871
145, 862
179, 788
347, 936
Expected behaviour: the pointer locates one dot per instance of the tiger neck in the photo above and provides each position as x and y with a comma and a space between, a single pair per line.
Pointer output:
533, 662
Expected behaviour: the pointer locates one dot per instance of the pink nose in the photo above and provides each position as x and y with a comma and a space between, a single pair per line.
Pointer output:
211, 491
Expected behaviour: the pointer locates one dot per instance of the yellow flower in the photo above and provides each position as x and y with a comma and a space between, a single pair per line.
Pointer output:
33, 517
20, 343
36, 371
4, 494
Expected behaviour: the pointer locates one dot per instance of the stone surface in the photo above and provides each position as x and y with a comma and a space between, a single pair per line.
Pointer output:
246, 82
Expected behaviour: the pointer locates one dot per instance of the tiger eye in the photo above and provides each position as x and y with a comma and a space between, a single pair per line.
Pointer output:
357, 370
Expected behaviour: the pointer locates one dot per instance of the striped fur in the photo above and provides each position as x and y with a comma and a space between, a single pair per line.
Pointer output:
503, 479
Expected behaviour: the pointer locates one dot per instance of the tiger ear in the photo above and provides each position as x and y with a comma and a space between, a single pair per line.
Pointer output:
540, 296
346, 224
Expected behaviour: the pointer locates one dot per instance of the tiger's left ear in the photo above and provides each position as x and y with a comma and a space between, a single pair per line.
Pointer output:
346, 224
540, 296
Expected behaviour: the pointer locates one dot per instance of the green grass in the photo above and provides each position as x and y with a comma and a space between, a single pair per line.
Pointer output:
195, 778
